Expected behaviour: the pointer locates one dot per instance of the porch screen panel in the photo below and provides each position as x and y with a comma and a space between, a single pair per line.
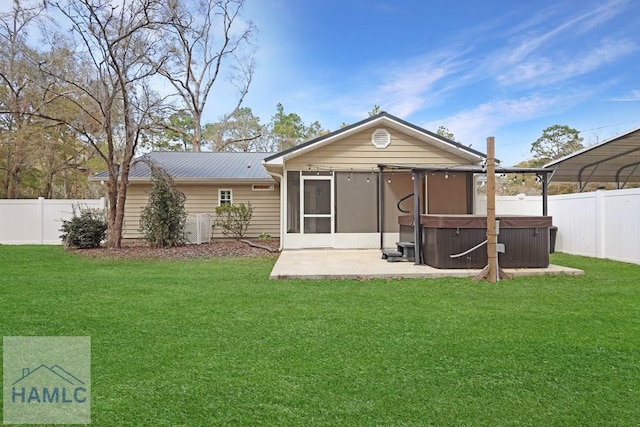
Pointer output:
448, 195
396, 186
293, 202
356, 204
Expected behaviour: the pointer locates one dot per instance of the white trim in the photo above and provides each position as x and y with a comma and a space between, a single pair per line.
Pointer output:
345, 241
317, 239
220, 190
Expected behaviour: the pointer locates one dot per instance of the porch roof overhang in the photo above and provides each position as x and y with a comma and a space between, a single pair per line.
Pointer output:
479, 169
615, 160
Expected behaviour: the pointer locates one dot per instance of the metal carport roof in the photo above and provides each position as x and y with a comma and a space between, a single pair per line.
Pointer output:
616, 160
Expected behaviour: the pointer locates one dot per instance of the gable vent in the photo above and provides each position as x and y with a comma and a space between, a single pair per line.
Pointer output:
380, 138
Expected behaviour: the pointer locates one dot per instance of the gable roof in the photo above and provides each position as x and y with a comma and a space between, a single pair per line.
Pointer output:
379, 119
199, 166
614, 160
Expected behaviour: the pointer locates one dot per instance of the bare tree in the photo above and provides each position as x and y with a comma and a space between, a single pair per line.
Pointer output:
109, 87
207, 41
240, 132
17, 98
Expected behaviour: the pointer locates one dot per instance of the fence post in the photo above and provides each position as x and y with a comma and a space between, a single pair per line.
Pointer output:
600, 224
198, 227
40, 220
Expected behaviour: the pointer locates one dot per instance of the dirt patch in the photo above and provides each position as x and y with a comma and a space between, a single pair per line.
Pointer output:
214, 249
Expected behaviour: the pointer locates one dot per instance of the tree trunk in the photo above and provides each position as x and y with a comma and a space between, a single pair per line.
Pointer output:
14, 182
113, 233
120, 204
5, 186
197, 135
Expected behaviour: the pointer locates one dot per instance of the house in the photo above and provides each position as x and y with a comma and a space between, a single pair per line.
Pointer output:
341, 190
208, 180
344, 189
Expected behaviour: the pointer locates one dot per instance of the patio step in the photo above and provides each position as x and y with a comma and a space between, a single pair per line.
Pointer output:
404, 252
390, 253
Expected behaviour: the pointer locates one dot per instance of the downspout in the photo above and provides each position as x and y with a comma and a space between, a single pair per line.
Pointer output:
283, 205
417, 228
381, 206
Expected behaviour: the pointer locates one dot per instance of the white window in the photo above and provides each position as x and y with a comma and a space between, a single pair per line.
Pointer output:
381, 138
225, 197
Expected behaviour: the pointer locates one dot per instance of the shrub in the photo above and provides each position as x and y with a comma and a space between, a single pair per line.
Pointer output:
234, 219
87, 227
264, 237
163, 220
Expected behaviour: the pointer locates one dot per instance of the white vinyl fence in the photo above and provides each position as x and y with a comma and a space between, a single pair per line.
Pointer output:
511, 205
37, 221
602, 224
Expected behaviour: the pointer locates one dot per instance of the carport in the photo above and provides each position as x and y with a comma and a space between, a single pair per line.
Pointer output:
616, 160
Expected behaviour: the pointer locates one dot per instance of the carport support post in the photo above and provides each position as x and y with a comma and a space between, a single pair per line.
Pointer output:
545, 194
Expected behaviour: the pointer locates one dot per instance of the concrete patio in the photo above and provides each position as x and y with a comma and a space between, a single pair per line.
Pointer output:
368, 264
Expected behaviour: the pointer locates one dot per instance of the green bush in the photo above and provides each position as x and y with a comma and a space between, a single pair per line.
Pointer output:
264, 237
163, 220
87, 227
234, 219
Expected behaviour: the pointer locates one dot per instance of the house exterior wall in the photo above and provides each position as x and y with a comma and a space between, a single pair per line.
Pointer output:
203, 198
358, 153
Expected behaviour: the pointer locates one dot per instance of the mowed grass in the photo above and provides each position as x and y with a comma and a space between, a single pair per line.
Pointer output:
215, 342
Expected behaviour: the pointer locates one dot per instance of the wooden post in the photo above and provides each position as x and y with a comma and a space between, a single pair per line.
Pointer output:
491, 272
492, 238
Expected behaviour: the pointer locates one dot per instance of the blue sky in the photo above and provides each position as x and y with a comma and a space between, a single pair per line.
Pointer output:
492, 68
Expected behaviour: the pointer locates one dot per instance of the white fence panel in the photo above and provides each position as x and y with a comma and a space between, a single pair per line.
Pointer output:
37, 221
620, 222
603, 224
511, 205
575, 216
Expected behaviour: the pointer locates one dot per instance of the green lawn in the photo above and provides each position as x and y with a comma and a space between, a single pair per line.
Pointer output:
213, 342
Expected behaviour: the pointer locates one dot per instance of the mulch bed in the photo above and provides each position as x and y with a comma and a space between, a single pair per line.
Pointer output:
214, 249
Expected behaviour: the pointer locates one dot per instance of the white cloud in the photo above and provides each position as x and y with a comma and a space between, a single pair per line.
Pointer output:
471, 126
535, 40
633, 96
406, 87
546, 49
543, 71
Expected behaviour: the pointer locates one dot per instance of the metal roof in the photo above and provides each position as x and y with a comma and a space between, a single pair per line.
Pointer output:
182, 165
615, 160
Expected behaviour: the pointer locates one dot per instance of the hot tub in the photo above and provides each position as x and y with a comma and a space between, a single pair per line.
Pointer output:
526, 240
